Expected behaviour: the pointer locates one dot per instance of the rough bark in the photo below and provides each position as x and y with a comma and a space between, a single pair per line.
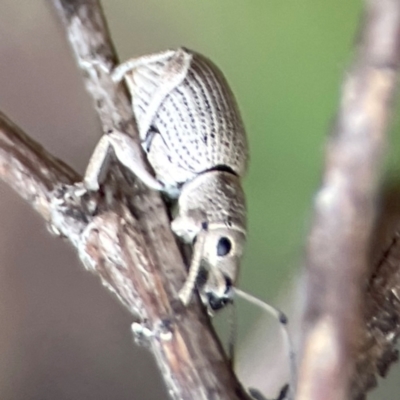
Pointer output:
121, 232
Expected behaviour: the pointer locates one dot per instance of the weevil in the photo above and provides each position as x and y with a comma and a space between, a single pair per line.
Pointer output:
194, 139
193, 136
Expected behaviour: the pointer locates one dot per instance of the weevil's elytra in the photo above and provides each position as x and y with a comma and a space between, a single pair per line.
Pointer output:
188, 118
193, 136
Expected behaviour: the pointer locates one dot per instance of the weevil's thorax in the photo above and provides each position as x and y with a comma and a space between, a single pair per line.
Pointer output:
213, 205
214, 198
187, 116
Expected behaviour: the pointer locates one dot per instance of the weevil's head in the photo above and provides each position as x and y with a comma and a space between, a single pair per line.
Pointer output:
221, 257
212, 216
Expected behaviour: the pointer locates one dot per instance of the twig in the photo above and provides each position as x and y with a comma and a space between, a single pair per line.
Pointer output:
122, 233
345, 209
29, 169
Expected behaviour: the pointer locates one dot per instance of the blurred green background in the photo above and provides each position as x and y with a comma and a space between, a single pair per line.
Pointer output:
284, 59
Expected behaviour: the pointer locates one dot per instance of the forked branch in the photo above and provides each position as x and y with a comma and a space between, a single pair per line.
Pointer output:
122, 232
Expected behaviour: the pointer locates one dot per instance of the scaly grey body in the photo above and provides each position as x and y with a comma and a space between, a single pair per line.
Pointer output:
187, 114
194, 139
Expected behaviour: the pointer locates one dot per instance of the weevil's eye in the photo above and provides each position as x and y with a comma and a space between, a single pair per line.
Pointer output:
224, 246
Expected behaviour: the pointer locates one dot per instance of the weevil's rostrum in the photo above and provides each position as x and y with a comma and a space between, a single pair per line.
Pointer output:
194, 139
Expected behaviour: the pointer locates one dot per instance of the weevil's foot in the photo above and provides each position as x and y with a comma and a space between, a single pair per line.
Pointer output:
96, 66
74, 201
284, 393
185, 295
257, 395
64, 195
141, 333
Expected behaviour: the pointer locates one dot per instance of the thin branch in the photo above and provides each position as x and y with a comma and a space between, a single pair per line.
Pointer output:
29, 169
345, 209
121, 232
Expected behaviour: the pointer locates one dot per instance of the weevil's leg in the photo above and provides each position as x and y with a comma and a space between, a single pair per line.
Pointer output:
177, 63
98, 164
256, 394
185, 293
284, 393
128, 153
188, 227
281, 317
164, 79
127, 66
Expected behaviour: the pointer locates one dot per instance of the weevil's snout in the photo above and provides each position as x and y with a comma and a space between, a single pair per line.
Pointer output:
215, 302
220, 298
222, 254
216, 290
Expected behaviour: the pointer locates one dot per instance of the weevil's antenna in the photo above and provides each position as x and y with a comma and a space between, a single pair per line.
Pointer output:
281, 317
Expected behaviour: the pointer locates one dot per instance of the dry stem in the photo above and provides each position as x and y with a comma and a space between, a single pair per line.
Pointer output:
339, 241
122, 232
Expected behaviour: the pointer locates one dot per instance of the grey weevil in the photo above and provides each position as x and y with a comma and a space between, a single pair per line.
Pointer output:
192, 133
193, 136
